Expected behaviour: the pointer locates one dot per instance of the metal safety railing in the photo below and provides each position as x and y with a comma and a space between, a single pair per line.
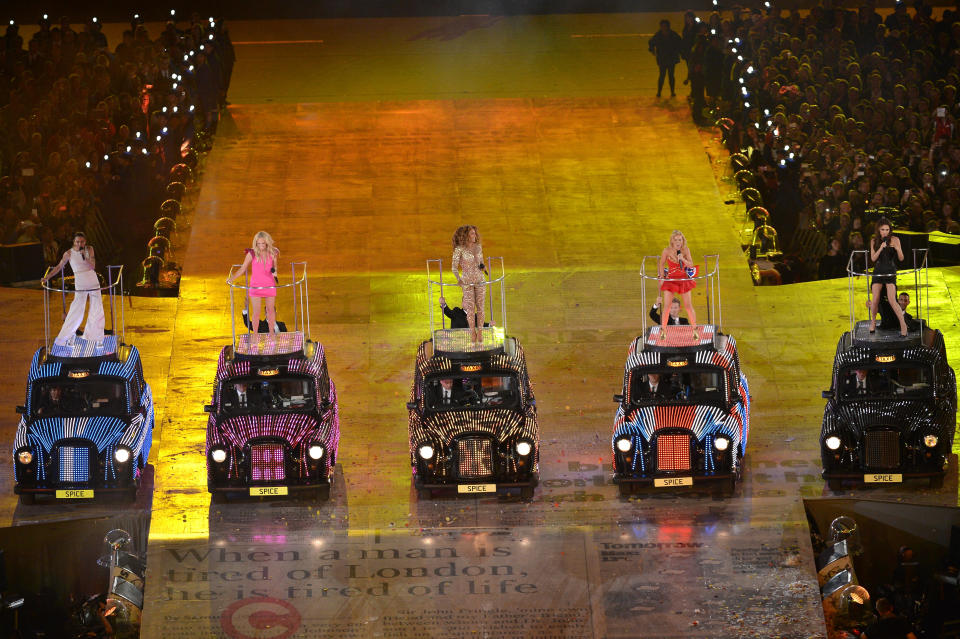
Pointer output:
300, 293
496, 275
921, 283
113, 288
650, 276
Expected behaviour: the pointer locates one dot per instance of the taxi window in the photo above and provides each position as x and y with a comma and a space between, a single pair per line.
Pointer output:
67, 398
276, 394
889, 381
668, 385
486, 391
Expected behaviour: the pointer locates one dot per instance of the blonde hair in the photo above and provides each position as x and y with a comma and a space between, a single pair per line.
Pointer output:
675, 234
461, 234
272, 250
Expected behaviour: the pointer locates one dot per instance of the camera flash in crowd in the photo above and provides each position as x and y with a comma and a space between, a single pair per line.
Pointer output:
106, 157
93, 19
173, 12
88, 165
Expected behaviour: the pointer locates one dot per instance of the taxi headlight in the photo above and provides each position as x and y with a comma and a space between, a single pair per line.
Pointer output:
315, 451
930, 441
624, 445
832, 442
425, 451
218, 455
721, 443
524, 448
24, 457
122, 455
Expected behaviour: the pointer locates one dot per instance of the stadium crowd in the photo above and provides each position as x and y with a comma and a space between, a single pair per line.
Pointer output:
841, 116
89, 132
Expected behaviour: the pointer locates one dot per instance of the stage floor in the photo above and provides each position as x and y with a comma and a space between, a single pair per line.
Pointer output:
361, 145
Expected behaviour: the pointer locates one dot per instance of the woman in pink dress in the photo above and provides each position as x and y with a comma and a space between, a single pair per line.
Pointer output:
261, 259
674, 279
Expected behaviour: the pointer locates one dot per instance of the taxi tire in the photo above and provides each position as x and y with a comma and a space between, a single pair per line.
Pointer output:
936, 482
424, 494
625, 489
526, 492
218, 497
322, 493
28, 499
129, 496
835, 485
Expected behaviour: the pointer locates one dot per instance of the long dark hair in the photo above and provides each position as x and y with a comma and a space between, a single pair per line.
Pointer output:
876, 240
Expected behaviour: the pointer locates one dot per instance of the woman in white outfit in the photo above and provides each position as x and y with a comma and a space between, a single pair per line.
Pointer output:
83, 262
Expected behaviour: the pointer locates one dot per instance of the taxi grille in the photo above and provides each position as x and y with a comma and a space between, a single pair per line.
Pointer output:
673, 452
74, 464
882, 449
266, 462
474, 457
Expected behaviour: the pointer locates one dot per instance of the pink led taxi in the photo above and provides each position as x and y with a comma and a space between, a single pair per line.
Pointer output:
273, 429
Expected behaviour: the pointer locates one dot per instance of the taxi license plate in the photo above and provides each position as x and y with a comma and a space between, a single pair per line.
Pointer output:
476, 488
882, 478
85, 493
669, 482
268, 491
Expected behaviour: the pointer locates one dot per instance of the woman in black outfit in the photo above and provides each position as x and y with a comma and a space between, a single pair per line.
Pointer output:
885, 251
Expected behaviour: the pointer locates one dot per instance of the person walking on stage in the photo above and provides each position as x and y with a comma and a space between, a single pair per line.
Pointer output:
667, 45
468, 268
675, 269
885, 251
262, 261
83, 261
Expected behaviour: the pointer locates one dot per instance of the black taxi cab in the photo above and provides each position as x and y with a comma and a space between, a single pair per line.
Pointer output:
472, 414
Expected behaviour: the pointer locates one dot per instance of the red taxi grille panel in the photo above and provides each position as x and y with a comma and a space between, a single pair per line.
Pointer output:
474, 457
673, 452
266, 462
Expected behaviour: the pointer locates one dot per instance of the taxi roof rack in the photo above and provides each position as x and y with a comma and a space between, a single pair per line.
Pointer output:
859, 334
455, 342
710, 277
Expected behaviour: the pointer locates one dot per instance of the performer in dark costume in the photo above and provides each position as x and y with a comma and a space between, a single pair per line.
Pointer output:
885, 251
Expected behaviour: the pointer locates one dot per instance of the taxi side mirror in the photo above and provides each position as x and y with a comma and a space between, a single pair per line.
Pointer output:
618, 399
826, 394
208, 408
411, 406
21, 410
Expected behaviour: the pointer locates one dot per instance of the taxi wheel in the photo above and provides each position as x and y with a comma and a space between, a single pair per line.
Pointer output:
323, 493
28, 499
936, 482
219, 497
835, 485
129, 496
424, 493
625, 489
526, 492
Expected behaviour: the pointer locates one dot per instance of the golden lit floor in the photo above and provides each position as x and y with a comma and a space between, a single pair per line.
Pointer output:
361, 145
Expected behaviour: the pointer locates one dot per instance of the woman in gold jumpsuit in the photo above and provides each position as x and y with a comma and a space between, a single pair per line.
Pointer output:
468, 268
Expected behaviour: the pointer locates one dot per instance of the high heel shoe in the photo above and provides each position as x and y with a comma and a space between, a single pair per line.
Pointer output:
873, 327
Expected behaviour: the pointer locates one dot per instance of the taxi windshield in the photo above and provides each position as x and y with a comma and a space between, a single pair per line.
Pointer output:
98, 396
889, 381
257, 395
669, 385
485, 391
